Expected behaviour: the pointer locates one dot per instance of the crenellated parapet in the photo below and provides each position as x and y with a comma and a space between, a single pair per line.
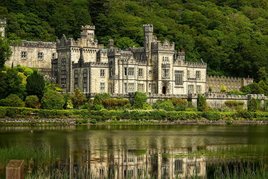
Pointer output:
196, 64
114, 52
228, 80
36, 44
163, 46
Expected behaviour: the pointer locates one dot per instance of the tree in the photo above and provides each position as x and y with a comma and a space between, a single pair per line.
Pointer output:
5, 52
35, 85
52, 100
201, 103
78, 98
139, 100
10, 83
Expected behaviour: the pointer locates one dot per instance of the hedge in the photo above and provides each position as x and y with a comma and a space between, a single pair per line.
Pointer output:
103, 115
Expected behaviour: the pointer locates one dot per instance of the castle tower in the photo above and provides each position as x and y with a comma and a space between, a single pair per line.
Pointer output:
3, 23
148, 39
88, 32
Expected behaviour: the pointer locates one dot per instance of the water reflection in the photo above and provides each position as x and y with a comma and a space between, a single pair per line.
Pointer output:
134, 164
149, 152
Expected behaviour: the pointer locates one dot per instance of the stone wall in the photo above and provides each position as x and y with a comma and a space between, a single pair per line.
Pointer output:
215, 83
34, 54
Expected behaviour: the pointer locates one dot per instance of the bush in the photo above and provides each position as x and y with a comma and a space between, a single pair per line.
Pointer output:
236, 105
52, 100
179, 104
78, 98
3, 112
211, 115
253, 105
139, 100
201, 103
166, 105
265, 105
32, 101
12, 100
115, 103
99, 98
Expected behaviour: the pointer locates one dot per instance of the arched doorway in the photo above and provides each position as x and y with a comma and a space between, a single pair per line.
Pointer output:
164, 90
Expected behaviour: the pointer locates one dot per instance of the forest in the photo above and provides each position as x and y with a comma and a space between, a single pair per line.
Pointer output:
231, 36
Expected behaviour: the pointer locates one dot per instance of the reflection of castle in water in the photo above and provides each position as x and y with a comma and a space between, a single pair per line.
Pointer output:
126, 163
145, 164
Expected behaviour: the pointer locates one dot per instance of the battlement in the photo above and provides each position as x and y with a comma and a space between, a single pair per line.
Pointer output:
88, 27
36, 44
148, 28
228, 79
166, 45
196, 64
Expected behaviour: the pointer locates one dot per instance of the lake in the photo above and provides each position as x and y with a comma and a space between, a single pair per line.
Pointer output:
137, 151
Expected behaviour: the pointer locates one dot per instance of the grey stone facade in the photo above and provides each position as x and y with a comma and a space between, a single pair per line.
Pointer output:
156, 68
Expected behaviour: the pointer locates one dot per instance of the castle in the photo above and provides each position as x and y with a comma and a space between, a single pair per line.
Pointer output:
155, 68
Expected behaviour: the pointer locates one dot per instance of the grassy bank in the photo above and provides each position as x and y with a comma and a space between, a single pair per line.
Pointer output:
126, 116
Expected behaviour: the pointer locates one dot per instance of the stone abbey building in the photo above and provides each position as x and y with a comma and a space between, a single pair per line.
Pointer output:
155, 68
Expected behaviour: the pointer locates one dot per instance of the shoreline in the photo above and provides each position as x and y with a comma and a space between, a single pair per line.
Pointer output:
8, 122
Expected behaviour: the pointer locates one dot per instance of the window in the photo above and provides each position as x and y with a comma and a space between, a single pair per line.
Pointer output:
53, 55
102, 87
197, 75
40, 55
102, 72
190, 89
85, 80
131, 71
178, 166
125, 89
188, 73
165, 73
131, 87
125, 71
198, 89
141, 87
178, 77
165, 60
152, 87
140, 72
23, 55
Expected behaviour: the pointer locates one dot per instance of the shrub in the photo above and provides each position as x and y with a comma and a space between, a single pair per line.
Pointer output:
211, 115
52, 100
201, 103
12, 100
113, 103
253, 105
3, 112
139, 100
165, 105
32, 101
98, 99
179, 104
265, 105
236, 105
78, 98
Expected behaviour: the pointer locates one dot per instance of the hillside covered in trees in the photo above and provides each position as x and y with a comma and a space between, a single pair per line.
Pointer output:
230, 35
